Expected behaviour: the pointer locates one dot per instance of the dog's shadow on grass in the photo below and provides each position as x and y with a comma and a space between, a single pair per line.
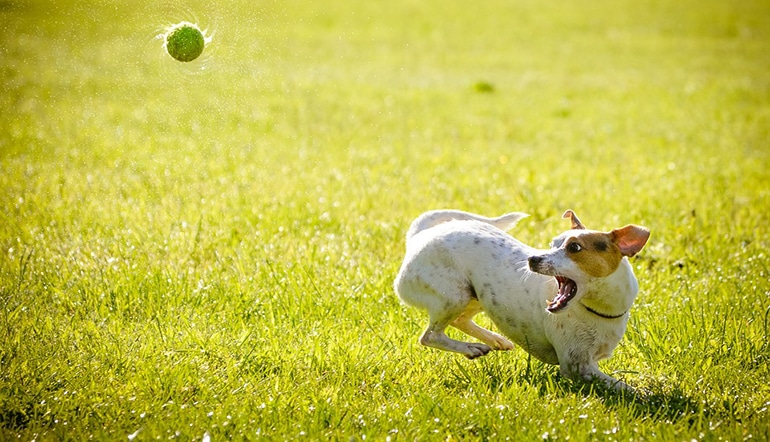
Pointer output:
659, 402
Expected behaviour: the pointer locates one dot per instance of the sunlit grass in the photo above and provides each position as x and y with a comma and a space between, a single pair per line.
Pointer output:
210, 249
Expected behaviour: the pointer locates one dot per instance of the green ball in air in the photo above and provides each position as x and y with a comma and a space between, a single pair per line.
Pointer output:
185, 42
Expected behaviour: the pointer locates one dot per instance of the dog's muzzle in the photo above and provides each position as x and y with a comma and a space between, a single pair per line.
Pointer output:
567, 288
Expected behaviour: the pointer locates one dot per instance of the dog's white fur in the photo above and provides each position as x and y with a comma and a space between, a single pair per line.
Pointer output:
458, 264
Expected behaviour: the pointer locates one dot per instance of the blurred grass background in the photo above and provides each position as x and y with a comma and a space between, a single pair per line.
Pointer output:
184, 246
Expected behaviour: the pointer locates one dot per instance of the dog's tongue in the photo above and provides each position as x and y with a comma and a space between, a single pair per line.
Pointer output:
567, 291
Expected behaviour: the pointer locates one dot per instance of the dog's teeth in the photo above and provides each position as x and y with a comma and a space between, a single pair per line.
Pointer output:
566, 291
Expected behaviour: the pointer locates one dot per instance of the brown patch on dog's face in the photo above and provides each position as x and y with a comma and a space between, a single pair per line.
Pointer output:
595, 253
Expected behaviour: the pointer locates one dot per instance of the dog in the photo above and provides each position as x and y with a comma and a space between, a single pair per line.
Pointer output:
568, 305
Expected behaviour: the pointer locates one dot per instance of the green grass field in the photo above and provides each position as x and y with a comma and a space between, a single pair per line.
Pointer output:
206, 251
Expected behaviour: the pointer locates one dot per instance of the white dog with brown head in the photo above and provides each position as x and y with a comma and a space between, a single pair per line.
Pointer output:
568, 305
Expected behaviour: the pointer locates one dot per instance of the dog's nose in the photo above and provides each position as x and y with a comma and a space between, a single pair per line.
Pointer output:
534, 261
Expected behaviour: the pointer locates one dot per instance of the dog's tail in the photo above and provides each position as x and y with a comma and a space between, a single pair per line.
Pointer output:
436, 217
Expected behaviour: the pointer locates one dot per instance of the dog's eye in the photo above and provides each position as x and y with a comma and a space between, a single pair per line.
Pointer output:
574, 247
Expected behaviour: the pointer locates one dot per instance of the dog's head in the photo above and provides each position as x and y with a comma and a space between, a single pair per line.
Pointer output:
581, 256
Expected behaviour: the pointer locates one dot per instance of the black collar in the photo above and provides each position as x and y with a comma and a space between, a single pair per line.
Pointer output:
602, 315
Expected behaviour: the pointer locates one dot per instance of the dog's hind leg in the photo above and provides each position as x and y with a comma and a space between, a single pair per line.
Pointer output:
434, 336
465, 324
445, 297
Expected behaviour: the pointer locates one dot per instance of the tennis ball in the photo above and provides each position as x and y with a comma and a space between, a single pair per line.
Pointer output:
184, 41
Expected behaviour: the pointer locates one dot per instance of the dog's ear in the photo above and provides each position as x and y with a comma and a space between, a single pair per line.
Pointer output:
576, 224
630, 239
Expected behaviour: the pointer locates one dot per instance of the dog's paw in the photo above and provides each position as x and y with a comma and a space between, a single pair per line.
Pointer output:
474, 351
503, 344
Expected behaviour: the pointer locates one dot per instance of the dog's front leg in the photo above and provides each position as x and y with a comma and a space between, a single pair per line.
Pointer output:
590, 372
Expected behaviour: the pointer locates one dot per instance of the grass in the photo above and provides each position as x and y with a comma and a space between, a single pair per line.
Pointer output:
207, 250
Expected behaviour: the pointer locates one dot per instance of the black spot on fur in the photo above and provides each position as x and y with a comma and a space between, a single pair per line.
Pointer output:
488, 292
601, 246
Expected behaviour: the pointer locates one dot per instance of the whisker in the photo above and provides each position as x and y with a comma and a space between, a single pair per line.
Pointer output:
523, 269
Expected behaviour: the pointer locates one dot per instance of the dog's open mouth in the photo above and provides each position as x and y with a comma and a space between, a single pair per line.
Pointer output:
567, 291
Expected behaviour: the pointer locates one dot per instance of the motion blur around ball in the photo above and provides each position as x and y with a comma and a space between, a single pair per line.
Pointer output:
185, 41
